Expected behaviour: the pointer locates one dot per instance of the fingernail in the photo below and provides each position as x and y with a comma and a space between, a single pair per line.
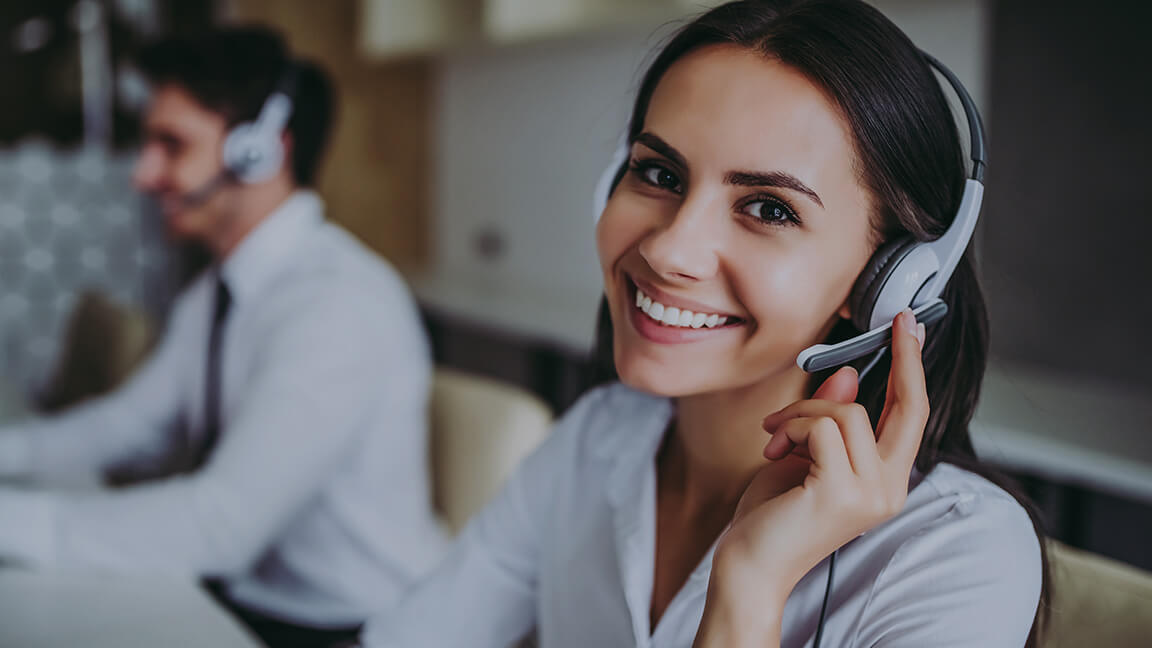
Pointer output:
908, 321
920, 333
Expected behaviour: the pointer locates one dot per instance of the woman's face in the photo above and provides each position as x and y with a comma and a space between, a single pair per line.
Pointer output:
741, 205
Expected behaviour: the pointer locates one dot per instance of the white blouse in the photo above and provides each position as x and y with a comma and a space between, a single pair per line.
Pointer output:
568, 548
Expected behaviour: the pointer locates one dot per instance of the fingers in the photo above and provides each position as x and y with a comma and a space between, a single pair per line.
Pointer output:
821, 435
852, 426
906, 406
840, 386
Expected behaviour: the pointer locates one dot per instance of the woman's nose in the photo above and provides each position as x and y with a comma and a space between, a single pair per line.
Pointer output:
686, 247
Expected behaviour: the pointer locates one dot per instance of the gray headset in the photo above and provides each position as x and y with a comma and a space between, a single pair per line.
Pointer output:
902, 273
254, 150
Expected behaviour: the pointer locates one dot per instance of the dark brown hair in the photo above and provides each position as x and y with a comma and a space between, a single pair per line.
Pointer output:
909, 157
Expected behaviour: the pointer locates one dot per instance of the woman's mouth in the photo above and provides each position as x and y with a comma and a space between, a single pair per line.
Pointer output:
672, 316
660, 322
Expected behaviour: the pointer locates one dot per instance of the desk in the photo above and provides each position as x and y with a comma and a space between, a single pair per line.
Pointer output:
44, 609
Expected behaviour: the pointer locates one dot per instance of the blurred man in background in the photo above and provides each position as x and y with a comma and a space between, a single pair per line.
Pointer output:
285, 404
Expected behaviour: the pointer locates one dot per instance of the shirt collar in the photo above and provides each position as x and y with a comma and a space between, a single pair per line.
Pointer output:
266, 248
630, 490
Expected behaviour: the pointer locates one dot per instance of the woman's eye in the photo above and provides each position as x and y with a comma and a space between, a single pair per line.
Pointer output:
658, 176
770, 212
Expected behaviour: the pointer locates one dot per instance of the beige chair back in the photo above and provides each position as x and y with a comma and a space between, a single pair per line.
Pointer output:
481, 429
1097, 602
104, 343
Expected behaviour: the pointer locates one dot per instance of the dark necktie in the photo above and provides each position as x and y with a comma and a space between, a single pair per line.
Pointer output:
212, 374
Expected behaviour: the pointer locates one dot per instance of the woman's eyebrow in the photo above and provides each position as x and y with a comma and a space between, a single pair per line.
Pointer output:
663, 148
739, 178
771, 179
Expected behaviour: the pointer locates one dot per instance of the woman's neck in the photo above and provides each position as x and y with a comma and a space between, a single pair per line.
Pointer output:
717, 441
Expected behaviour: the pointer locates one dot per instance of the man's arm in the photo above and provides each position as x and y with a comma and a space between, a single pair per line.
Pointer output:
315, 380
77, 445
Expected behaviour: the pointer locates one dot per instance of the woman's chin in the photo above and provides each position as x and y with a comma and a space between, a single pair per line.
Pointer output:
661, 379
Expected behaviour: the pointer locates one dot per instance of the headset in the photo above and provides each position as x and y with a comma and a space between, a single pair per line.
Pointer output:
901, 273
904, 272
254, 150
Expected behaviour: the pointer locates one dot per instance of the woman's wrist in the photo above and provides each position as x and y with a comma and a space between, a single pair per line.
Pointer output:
729, 623
739, 573
744, 607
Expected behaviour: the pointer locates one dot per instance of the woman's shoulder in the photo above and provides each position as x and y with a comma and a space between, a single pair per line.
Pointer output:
961, 544
952, 501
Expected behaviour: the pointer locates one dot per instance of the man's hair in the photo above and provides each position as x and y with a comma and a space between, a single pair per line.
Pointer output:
232, 71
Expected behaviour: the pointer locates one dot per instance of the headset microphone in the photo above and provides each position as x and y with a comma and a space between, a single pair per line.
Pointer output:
199, 196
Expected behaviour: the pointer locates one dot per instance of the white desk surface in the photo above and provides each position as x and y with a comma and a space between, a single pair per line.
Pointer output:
1064, 429
50, 610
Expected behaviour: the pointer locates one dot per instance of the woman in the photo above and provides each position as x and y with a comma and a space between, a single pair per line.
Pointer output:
774, 146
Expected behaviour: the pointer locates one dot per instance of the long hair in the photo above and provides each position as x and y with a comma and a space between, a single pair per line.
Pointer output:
910, 158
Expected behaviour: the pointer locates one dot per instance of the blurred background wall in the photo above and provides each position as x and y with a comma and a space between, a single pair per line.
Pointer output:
69, 220
375, 179
1069, 202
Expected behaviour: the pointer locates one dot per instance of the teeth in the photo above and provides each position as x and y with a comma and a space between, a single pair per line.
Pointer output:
673, 316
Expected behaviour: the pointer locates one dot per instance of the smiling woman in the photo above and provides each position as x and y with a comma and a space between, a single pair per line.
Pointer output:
742, 195
774, 146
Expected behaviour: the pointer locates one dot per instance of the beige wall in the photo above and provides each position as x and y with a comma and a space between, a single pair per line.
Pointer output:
377, 173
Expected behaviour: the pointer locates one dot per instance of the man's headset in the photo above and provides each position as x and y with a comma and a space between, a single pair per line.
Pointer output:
904, 272
254, 150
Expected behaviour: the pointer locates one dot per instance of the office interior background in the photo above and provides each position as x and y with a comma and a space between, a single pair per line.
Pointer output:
469, 138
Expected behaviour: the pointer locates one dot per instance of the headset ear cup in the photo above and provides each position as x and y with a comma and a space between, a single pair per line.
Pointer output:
609, 178
868, 285
250, 155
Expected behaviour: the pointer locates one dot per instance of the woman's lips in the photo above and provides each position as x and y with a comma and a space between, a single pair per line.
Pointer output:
667, 300
665, 324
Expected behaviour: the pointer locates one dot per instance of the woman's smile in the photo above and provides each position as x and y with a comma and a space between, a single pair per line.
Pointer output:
665, 319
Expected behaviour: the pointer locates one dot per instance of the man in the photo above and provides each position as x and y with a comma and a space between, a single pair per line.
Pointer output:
290, 385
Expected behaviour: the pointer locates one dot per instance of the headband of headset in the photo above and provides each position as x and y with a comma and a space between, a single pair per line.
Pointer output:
254, 151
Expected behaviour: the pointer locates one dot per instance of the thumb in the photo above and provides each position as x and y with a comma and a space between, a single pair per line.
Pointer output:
840, 386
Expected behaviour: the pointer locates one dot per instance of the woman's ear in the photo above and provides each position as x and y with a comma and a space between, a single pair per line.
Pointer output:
845, 310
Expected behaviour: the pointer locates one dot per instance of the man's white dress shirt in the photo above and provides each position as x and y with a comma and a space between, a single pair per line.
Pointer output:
568, 548
314, 505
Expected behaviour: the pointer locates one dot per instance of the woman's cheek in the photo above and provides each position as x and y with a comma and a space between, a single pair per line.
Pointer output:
783, 298
609, 237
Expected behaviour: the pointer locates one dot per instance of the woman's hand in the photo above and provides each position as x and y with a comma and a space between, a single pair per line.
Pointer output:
831, 478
